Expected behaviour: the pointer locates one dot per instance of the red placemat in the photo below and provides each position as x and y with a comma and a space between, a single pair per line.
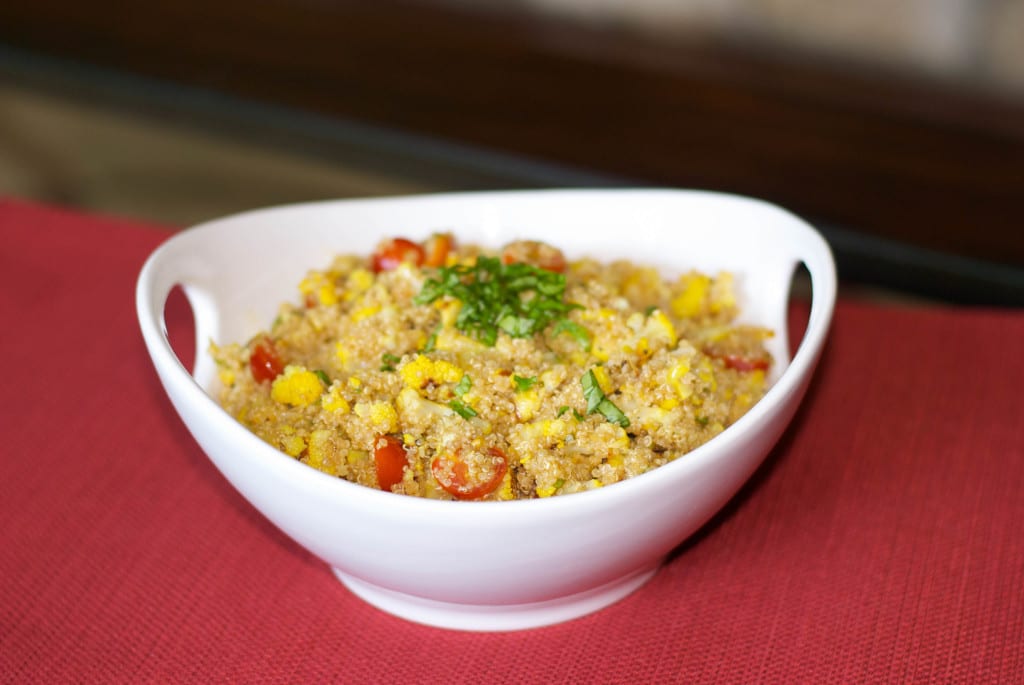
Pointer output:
880, 542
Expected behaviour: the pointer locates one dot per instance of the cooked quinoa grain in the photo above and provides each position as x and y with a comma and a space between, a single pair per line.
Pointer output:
455, 372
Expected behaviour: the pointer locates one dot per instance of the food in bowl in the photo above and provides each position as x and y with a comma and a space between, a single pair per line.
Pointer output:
480, 565
450, 371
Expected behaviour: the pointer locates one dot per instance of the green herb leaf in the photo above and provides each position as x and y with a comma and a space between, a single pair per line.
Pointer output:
524, 384
463, 410
388, 362
561, 410
432, 340
578, 416
703, 420
517, 299
322, 375
650, 310
612, 413
599, 403
580, 333
463, 386
592, 392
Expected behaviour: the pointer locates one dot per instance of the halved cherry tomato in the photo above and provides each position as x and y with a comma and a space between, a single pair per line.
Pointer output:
390, 459
265, 361
534, 252
452, 474
734, 361
436, 249
739, 362
393, 252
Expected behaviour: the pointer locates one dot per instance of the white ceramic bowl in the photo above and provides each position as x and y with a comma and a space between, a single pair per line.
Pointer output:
487, 565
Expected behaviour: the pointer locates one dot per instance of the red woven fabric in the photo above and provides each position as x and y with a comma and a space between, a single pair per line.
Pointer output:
880, 542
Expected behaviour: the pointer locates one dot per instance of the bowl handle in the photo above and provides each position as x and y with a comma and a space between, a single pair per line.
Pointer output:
813, 251
166, 269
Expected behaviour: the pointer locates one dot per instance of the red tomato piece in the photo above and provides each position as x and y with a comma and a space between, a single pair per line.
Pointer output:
390, 459
436, 249
534, 252
738, 362
393, 252
452, 474
265, 361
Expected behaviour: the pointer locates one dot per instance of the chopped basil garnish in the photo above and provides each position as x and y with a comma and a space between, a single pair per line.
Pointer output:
580, 333
561, 410
519, 299
463, 410
322, 375
598, 402
432, 340
463, 386
523, 383
703, 420
388, 361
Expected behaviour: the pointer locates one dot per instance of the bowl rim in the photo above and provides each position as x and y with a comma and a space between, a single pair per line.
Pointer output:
486, 513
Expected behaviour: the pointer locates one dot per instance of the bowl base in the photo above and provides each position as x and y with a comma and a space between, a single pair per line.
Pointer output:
491, 618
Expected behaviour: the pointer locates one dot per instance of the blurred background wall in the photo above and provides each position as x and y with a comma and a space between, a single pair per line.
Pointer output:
975, 42
897, 127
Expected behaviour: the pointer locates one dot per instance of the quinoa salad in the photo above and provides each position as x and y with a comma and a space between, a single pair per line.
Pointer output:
451, 371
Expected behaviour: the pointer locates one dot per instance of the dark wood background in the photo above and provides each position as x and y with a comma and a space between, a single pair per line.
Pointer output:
928, 164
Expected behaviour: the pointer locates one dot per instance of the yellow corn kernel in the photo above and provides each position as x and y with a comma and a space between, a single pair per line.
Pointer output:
553, 377
226, 376
505, 489
364, 313
320, 450
690, 301
580, 358
380, 414
354, 382
676, 376
341, 352
650, 418
640, 283
449, 311
546, 491
321, 286
297, 387
309, 284
327, 295
603, 381
527, 404
658, 319
556, 428
722, 295
291, 443
356, 456
706, 373
359, 280
601, 349
334, 401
